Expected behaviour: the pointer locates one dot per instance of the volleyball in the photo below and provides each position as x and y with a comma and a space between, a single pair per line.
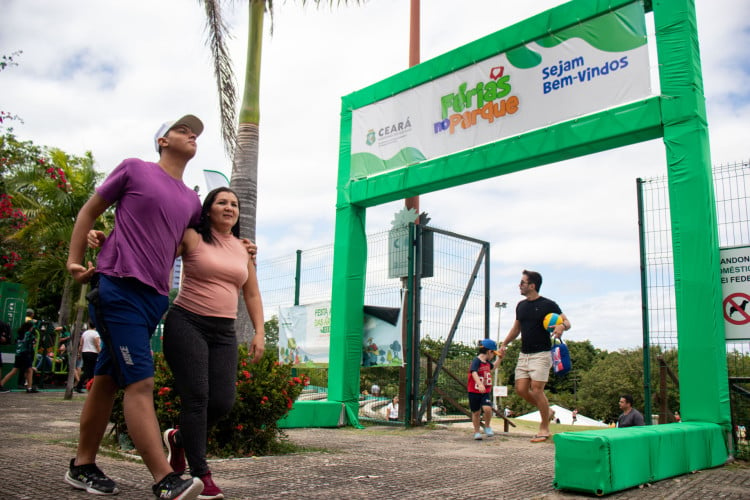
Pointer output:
551, 321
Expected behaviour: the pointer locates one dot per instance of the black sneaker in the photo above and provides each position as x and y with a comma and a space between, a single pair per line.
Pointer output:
173, 487
33, 390
90, 478
4, 389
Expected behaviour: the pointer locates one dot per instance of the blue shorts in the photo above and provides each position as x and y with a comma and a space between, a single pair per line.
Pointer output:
477, 401
131, 311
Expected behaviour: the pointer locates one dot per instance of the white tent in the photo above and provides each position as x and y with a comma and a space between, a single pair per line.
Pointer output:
565, 416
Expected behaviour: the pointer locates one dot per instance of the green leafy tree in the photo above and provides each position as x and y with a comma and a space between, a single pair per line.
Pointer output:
617, 373
271, 328
564, 389
50, 187
738, 363
457, 361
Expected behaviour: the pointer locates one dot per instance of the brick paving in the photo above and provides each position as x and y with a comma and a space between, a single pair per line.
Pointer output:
38, 431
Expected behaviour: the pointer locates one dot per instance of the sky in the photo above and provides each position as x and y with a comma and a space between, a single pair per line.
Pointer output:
101, 76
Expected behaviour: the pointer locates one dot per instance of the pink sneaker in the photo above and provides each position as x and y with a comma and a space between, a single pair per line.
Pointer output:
175, 454
210, 490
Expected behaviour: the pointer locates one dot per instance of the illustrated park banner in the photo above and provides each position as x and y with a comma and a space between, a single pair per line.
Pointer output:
573, 72
304, 335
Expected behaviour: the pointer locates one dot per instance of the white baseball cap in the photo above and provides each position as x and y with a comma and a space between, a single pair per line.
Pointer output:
190, 120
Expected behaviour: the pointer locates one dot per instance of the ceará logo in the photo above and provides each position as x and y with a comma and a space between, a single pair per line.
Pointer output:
370, 137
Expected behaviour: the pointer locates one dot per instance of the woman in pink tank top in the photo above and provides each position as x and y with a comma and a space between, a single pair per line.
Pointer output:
200, 343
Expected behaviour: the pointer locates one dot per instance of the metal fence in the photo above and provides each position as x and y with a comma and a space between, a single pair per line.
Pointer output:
731, 186
306, 277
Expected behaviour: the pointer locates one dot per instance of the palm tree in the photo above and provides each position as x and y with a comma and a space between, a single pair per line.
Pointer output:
243, 147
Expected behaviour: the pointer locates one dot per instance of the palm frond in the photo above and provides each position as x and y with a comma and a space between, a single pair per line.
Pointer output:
225, 81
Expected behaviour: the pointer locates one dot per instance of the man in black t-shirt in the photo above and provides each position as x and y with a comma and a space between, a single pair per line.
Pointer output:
534, 360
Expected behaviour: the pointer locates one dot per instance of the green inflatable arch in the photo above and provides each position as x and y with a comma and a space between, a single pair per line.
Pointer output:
593, 43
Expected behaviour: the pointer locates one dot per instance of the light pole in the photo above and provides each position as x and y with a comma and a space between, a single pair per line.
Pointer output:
500, 306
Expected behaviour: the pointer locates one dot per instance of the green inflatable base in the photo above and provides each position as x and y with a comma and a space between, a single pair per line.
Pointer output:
315, 414
609, 460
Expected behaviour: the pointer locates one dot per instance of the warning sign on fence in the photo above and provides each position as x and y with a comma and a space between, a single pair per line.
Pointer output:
735, 283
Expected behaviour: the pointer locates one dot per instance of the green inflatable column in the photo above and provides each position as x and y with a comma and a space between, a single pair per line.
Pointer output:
704, 391
347, 302
347, 299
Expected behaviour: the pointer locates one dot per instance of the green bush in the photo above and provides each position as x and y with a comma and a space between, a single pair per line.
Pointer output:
265, 393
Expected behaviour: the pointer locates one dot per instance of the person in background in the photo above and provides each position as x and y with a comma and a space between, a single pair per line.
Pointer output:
392, 409
5, 333
200, 343
88, 350
630, 417
25, 353
575, 416
534, 361
480, 387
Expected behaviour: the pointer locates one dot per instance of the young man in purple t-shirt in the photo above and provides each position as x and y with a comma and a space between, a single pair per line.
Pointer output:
154, 207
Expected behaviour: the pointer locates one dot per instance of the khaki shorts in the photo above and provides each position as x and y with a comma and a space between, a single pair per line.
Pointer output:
535, 366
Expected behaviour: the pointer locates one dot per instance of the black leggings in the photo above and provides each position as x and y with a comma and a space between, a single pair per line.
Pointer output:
89, 363
202, 353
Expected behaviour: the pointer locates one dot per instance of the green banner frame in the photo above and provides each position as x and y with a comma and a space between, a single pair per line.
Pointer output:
678, 116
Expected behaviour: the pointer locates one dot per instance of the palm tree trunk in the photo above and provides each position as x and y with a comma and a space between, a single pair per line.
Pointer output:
63, 315
245, 177
245, 168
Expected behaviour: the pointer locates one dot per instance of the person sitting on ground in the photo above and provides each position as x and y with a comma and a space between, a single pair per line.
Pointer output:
392, 409
630, 416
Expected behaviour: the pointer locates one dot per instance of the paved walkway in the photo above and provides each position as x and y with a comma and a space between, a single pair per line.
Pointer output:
38, 431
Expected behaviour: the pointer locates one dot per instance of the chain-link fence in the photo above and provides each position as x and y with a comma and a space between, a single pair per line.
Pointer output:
731, 185
306, 277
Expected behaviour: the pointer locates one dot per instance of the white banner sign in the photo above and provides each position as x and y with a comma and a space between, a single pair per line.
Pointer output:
569, 74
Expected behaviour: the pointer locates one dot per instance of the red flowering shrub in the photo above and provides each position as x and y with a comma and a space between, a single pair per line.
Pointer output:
265, 394
11, 220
